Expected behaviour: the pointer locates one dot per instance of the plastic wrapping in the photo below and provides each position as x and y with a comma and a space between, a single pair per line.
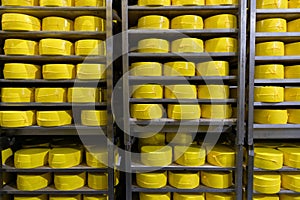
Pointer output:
146, 111
14, 119
56, 47
34, 181
57, 24
266, 182
269, 94
94, 117
31, 158
218, 180
184, 112
83, 95
149, 91
272, 71
58, 71
291, 181
69, 181
20, 47
152, 179
179, 69
15, 95
221, 45
89, 23
184, 180
153, 45
187, 45
180, 92
267, 158
189, 156
64, 157
223, 21
53, 118
20, 22
153, 22
187, 22
271, 25
156, 155
89, 47
216, 111
213, 91
51, 95
146, 69
264, 116
274, 48
213, 68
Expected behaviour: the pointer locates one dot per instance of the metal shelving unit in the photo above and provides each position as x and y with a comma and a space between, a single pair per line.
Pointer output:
8, 135
130, 16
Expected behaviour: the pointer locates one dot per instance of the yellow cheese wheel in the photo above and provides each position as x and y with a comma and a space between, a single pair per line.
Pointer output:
83, 95
213, 68
179, 69
146, 111
267, 158
187, 45
64, 197
289, 196
222, 156
152, 179
292, 94
88, 3
264, 116
153, 45
21, 71
64, 157
154, 2
20, 47
31, 197
272, 4
266, 182
20, 2
180, 92
293, 26
98, 157
31, 158
265, 197
94, 117
273, 71
292, 72
62, 3
69, 181
57, 24
51, 95
270, 49
89, 23
6, 154
146, 69
221, 2
219, 196
14, 119
149, 91
98, 181
56, 47
184, 180
271, 25
223, 21
33, 181
291, 181
213, 91
58, 71
269, 94
153, 22
20, 22
156, 155
15, 95
293, 116
88, 71
218, 180
221, 45
89, 47
154, 196
216, 111
179, 138
187, 22
151, 139
184, 112
188, 2
183, 196
291, 156
292, 49
189, 156
294, 4
95, 197
53, 118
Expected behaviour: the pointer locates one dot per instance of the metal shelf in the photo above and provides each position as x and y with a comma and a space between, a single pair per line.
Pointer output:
274, 131
277, 59
184, 101
198, 56
288, 14
282, 191
92, 105
277, 81
284, 169
281, 104
285, 37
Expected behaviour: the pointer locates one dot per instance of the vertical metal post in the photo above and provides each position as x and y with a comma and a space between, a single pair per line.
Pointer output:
250, 172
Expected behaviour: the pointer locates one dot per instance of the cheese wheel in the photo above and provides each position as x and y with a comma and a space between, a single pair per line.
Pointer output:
267, 158
213, 91
180, 92
146, 111
20, 22
292, 94
64, 157
154, 2
57, 24
152, 179
275, 71
184, 112
183, 196
180, 138
264, 116
272, 4
153, 22
266, 182
95, 197
58, 71
69, 181
151, 139
265, 197
98, 157
294, 116
21, 71
223, 21
64, 197
6, 154
89, 47
146, 69
221, 45
90, 3
31, 158
94, 117
189, 156
219, 196
184, 180
156, 155
213, 68
269, 94
292, 49
14, 95
291, 181
222, 156
154, 196
86, 71
187, 22
270, 49
89, 23
216, 111
179, 69
53, 118
31, 197
14, 119
187, 45
20, 47
51, 95
218, 180
221, 2
291, 156
62, 3
289, 196
271, 25
34, 181
56, 47
20, 2
83, 95
188, 2
291, 72
293, 26
294, 4
153, 45
149, 91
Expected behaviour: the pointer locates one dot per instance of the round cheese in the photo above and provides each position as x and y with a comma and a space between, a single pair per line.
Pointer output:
270, 49
187, 45
264, 116
269, 94
153, 22
153, 45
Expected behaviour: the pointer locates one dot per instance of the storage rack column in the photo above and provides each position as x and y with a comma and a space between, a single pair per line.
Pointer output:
133, 127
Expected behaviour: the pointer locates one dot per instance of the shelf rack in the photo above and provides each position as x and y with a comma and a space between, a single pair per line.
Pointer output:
130, 15
8, 135
268, 131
